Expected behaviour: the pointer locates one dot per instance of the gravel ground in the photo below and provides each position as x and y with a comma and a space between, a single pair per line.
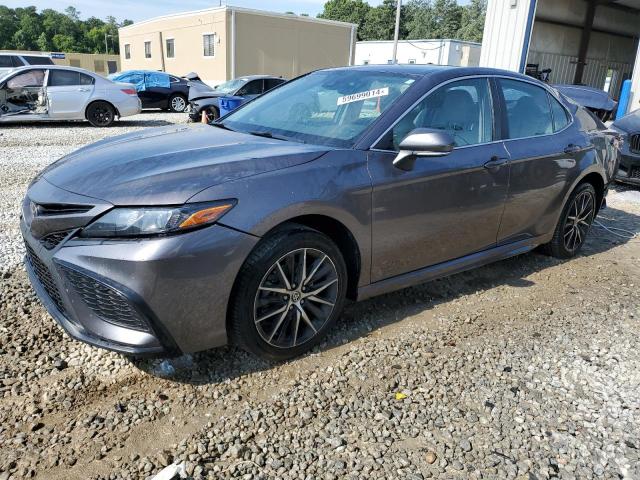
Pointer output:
528, 368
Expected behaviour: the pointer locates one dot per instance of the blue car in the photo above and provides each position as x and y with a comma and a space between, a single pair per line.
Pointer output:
203, 98
157, 89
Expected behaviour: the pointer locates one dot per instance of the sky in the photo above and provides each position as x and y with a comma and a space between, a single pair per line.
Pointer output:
137, 10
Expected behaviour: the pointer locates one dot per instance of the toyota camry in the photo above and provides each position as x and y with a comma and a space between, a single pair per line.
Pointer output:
340, 185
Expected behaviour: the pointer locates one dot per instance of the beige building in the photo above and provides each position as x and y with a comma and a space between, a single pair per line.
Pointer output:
99, 62
227, 42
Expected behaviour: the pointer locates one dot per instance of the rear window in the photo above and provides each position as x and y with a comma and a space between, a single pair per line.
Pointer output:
36, 60
5, 61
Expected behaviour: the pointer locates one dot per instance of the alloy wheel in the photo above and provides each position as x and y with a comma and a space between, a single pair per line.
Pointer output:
296, 298
578, 222
178, 104
102, 115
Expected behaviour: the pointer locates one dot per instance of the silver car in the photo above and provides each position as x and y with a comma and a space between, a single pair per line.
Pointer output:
51, 92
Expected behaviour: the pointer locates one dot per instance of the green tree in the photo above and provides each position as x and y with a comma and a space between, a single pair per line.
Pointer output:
447, 17
380, 22
351, 11
50, 30
421, 21
472, 21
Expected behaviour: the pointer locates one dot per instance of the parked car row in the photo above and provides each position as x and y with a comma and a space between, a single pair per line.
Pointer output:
32, 88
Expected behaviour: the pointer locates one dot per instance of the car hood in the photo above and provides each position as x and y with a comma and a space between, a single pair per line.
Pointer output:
199, 89
167, 166
630, 123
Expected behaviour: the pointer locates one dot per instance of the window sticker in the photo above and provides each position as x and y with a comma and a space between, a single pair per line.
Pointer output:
356, 97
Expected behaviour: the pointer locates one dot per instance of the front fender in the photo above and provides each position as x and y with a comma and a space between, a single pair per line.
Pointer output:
336, 185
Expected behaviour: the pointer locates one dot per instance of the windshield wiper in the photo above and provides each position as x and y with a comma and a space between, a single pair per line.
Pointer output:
221, 125
267, 135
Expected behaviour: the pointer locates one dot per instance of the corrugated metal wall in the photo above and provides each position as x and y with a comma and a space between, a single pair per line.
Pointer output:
564, 67
504, 33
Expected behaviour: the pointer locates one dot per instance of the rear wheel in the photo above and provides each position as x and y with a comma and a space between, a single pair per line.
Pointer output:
177, 103
101, 114
289, 294
574, 224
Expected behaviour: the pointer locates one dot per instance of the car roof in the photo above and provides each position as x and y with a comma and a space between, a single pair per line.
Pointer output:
55, 67
427, 70
23, 54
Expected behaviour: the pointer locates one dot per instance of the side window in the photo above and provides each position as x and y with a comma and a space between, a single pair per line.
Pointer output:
30, 78
560, 115
463, 109
528, 109
5, 61
37, 60
17, 61
252, 88
63, 78
270, 83
86, 79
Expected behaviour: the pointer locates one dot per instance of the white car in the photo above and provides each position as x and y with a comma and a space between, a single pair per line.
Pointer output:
53, 92
10, 61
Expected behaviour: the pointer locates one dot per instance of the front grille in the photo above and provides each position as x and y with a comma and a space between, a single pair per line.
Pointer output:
45, 278
46, 209
634, 172
52, 240
105, 301
634, 143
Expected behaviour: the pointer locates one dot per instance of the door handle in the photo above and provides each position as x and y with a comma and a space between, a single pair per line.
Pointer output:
496, 162
83, 89
572, 148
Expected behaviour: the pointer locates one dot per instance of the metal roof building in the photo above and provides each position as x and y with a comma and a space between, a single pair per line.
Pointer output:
227, 42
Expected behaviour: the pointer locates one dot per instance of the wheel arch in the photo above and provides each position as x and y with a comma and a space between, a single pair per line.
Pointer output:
339, 234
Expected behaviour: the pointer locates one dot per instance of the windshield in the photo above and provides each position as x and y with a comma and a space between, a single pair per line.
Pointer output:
330, 107
230, 86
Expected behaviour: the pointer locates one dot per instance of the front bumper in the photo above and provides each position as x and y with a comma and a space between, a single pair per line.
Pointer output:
629, 168
160, 296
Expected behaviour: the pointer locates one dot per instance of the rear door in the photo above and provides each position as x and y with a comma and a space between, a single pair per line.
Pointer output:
68, 92
446, 207
546, 147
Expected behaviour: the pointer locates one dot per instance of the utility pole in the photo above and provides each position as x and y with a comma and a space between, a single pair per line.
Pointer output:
106, 48
396, 33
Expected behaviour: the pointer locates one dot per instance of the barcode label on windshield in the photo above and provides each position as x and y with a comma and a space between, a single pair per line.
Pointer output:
356, 97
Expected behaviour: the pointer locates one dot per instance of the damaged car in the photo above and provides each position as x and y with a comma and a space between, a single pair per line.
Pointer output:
52, 92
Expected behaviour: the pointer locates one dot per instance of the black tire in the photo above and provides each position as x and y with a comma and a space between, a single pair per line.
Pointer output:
564, 243
212, 113
177, 103
248, 331
101, 114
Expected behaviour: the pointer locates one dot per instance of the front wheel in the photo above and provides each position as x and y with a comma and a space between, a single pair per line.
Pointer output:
574, 224
288, 295
101, 114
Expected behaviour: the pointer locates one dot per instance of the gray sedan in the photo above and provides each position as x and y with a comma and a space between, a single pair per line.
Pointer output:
343, 184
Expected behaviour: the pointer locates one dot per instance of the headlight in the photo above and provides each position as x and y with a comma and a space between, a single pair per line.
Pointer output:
147, 221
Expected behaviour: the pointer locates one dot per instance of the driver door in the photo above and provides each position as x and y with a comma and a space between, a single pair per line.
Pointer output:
23, 96
446, 207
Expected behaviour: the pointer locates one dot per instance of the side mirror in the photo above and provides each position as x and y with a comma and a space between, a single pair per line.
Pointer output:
422, 142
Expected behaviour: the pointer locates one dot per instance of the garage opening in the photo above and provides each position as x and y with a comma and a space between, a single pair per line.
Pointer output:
585, 42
